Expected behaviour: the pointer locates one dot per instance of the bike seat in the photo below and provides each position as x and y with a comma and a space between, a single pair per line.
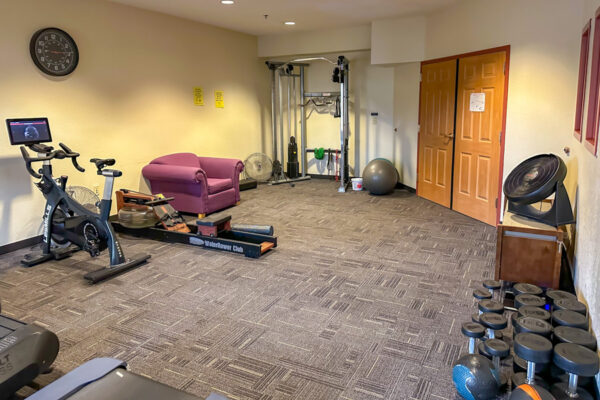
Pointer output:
110, 172
102, 162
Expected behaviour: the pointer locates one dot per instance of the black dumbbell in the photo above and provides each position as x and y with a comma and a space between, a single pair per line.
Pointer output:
480, 294
490, 306
554, 295
473, 331
534, 312
492, 285
525, 299
569, 318
532, 325
520, 365
530, 311
534, 349
499, 350
568, 334
493, 323
527, 288
570, 304
577, 361
487, 305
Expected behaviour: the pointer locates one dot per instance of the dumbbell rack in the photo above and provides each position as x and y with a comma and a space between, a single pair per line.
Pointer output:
550, 344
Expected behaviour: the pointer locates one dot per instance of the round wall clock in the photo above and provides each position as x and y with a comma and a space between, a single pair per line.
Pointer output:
54, 52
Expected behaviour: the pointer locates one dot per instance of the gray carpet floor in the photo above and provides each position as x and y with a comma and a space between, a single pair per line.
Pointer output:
363, 299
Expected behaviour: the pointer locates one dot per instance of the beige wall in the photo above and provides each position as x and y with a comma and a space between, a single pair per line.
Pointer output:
406, 121
588, 212
130, 97
316, 42
543, 35
399, 40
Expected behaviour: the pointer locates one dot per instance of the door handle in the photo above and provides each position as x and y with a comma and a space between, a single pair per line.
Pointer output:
448, 136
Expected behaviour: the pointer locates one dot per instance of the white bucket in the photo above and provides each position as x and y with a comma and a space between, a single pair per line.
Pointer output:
357, 184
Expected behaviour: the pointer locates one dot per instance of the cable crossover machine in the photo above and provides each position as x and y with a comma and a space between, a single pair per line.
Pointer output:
288, 75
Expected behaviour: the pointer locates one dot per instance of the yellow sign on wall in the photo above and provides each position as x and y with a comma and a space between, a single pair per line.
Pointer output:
198, 96
219, 101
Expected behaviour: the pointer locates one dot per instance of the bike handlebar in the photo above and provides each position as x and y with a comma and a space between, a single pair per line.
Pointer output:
73, 156
60, 154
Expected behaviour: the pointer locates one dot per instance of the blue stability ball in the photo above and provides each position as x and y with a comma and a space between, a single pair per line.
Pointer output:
380, 176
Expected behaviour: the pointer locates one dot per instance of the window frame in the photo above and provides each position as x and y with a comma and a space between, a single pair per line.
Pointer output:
590, 140
581, 84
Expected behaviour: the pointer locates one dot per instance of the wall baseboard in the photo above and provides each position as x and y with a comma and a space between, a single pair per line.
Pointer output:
21, 244
399, 185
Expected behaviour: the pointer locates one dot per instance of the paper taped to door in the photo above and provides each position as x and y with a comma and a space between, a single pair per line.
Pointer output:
477, 103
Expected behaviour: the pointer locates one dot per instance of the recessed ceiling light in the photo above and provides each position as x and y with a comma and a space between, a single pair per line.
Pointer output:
289, 23
228, 2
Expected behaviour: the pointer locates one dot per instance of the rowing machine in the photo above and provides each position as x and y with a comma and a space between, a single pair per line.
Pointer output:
213, 232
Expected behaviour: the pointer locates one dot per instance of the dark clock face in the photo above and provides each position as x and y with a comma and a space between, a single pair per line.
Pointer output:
54, 51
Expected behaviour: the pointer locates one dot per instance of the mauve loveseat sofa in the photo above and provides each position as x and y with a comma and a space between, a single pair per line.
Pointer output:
200, 185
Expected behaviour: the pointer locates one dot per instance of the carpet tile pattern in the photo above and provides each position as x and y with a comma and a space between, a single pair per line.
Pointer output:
363, 299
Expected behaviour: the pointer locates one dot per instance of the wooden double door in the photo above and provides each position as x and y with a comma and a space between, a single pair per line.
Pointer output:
462, 109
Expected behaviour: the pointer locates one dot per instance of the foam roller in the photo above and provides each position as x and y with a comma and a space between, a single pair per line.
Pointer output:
261, 229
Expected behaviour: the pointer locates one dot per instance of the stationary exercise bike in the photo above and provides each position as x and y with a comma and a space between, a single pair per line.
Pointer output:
68, 225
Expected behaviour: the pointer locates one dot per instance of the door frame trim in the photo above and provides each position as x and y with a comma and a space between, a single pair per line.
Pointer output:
506, 49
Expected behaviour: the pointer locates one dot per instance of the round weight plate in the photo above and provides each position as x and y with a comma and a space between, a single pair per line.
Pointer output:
569, 318
497, 348
533, 325
492, 284
493, 321
534, 312
554, 295
570, 304
520, 365
527, 288
532, 347
568, 334
481, 294
576, 359
529, 300
472, 330
559, 390
490, 306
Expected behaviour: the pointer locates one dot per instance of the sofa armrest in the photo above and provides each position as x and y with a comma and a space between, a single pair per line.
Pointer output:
174, 173
222, 168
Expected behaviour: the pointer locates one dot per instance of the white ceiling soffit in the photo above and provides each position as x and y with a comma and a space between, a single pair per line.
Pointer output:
248, 15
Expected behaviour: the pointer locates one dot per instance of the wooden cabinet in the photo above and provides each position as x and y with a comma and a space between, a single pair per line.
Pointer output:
528, 251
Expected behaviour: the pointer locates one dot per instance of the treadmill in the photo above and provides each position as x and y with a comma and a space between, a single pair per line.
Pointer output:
27, 350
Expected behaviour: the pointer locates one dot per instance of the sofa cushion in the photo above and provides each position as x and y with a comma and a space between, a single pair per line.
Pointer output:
218, 185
